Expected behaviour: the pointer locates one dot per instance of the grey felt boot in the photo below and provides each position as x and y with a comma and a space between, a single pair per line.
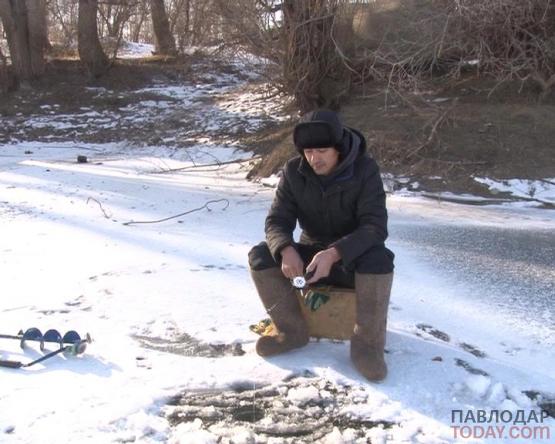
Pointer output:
282, 305
368, 340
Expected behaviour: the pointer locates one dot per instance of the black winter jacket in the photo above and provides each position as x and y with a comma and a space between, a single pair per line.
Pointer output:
346, 211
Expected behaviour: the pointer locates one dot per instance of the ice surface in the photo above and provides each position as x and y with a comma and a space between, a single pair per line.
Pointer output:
167, 303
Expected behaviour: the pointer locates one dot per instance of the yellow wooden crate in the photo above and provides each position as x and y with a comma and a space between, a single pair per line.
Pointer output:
334, 319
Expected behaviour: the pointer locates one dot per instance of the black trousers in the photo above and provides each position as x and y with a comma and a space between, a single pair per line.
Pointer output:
376, 260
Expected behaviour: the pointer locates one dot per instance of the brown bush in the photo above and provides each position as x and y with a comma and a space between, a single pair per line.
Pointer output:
404, 42
510, 40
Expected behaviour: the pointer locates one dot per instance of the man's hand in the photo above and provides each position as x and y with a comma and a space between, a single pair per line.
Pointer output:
321, 264
292, 264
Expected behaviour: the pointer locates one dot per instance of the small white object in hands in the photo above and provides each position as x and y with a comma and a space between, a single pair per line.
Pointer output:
299, 282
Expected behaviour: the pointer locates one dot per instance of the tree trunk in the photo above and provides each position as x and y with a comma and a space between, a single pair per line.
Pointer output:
25, 25
38, 34
312, 70
7, 80
165, 43
90, 51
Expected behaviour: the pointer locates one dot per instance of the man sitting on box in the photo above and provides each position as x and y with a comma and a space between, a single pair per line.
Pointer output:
333, 189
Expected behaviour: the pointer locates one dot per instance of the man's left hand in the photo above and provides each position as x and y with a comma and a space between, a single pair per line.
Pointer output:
321, 264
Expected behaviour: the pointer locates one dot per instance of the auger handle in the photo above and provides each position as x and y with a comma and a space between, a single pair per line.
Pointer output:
10, 364
10, 336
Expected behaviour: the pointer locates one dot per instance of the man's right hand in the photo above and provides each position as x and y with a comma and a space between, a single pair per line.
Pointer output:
292, 264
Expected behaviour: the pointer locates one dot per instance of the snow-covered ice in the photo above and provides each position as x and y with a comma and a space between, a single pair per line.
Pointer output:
69, 262
168, 305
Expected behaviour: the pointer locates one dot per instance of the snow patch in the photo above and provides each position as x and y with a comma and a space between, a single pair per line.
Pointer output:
539, 190
478, 385
192, 433
303, 395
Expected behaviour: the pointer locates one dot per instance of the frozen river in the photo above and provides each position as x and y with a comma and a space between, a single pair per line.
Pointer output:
504, 269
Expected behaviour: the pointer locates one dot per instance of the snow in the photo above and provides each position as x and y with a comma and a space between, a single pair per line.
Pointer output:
478, 385
524, 193
303, 395
270, 181
538, 190
161, 301
192, 433
132, 50
67, 265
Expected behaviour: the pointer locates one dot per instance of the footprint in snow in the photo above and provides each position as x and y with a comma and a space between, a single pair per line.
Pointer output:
209, 267
469, 368
75, 302
472, 350
186, 345
53, 311
438, 334
442, 336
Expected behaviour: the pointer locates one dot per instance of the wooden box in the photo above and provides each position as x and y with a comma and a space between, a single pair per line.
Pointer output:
333, 319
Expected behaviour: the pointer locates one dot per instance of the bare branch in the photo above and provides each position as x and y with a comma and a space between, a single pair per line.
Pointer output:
205, 206
106, 215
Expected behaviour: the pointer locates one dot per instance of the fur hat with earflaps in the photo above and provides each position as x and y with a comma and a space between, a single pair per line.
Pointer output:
320, 128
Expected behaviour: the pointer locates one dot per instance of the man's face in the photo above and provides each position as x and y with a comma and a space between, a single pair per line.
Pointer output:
322, 160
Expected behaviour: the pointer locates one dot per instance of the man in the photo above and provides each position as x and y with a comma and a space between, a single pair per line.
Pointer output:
335, 192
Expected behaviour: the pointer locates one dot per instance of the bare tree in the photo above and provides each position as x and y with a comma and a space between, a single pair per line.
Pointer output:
312, 68
137, 20
254, 25
90, 50
115, 14
200, 22
165, 42
25, 26
298, 35
180, 15
63, 15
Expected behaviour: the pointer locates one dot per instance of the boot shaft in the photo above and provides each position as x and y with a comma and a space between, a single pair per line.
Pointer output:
368, 340
277, 295
281, 303
373, 294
